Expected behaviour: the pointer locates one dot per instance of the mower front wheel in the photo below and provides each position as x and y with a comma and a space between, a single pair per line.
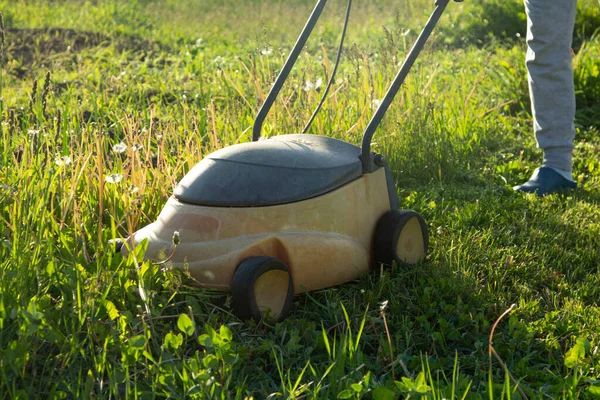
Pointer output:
401, 236
262, 288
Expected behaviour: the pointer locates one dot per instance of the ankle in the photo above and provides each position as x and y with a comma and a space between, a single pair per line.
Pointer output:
559, 159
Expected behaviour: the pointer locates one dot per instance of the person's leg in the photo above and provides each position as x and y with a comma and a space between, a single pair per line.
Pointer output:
549, 64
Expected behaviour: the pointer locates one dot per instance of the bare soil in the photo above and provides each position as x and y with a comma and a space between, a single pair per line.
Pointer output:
33, 48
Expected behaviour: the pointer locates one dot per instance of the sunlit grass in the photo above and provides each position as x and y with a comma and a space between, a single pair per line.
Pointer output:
95, 150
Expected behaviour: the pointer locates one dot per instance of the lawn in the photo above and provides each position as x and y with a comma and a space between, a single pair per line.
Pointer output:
106, 104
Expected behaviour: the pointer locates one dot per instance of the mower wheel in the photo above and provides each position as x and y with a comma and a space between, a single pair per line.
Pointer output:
401, 236
262, 288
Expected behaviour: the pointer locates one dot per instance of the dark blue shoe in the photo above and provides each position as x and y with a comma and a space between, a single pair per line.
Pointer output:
546, 180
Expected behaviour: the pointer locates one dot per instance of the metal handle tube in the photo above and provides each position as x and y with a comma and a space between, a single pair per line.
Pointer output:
285, 71
398, 81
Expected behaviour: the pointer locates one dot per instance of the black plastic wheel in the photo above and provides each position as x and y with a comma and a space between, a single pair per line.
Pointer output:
262, 287
401, 236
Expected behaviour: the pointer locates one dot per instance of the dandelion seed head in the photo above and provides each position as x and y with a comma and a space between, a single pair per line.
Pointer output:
308, 85
114, 178
64, 160
119, 148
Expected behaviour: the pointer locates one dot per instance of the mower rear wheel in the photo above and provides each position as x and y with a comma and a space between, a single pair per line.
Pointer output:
401, 236
262, 288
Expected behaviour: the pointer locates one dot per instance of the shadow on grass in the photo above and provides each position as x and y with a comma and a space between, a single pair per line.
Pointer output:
490, 248
51, 42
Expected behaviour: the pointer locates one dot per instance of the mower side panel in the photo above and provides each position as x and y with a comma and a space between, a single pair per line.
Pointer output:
332, 259
325, 241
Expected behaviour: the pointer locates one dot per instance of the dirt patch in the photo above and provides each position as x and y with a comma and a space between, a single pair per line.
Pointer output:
36, 47
28, 46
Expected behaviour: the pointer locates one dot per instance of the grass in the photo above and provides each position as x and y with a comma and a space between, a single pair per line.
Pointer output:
130, 95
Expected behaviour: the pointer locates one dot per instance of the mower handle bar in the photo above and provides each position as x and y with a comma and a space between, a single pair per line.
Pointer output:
395, 86
287, 67
368, 166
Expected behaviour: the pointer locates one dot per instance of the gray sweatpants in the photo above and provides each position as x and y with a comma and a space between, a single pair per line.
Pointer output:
549, 64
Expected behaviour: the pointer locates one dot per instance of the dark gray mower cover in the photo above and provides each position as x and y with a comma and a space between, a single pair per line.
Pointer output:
278, 170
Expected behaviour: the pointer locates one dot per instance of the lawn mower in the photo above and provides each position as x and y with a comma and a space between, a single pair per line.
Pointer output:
294, 213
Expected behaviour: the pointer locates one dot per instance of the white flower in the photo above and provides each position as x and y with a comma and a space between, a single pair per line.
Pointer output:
383, 305
375, 103
318, 83
119, 148
218, 60
136, 147
114, 178
308, 86
266, 51
33, 132
64, 160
